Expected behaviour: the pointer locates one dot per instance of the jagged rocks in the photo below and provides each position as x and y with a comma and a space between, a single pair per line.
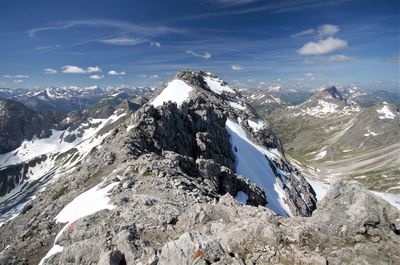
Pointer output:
17, 123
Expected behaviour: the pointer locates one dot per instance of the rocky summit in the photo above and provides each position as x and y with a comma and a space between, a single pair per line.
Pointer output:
191, 176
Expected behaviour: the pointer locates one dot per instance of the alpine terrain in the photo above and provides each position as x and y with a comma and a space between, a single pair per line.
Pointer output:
193, 175
331, 137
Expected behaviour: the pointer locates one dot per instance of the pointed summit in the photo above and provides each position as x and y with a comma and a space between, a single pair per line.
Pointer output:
334, 93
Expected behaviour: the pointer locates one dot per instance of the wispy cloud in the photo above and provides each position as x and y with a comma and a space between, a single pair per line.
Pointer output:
72, 69
96, 77
341, 58
303, 33
325, 30
122, 26
204, 55
328, 30
123, 41
236, 67
272, 8
155, 44
323, 46
16, 76
18, 81
113, 72
50, 71
228, 3
47, 47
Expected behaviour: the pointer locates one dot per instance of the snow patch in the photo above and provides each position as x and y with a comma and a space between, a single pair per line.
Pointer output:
176, 91
370, 133
54, 250
217, 85
386, 113
85, 204
393, 199
255, 125
320, 155
252, 163
235, 105
320, 188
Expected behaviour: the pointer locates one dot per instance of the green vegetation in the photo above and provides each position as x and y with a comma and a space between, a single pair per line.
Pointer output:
92, 177
60, 193
148, 173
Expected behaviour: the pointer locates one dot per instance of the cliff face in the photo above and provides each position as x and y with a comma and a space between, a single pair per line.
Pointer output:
18, 123
159, 187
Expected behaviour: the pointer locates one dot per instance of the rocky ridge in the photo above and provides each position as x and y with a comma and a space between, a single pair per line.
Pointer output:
170, 172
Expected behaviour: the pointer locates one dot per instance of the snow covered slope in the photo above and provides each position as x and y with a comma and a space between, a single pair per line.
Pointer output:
252, 163
38, 161
176, 91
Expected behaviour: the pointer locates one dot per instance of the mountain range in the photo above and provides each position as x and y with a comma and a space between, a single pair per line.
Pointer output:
71, 98
331, 136
190, 174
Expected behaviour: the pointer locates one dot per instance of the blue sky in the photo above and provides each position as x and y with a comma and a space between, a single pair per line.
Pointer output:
253, 43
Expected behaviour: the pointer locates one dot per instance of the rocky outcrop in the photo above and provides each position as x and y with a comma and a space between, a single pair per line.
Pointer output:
18, 123
14, 175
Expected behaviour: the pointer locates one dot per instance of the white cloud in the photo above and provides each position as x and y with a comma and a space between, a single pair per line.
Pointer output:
303, 33
309, 74
155, 44
236, 67
154, 76
18, 81
323, 46
72, 69
16, 76
123, 41
96, 77
113, 72
205, 55
327, 30
341, 58
50, 71
93, 69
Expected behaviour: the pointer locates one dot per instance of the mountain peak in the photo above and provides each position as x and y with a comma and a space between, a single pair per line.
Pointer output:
334, 93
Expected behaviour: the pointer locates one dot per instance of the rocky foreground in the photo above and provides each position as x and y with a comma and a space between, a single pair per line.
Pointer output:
161, 189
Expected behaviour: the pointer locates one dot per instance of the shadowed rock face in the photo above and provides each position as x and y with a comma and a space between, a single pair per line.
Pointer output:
173, 171
18, 123
334, 93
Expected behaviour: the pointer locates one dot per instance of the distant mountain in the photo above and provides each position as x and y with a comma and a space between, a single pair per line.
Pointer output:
272, 98
332, 137
67, 99
18, 123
